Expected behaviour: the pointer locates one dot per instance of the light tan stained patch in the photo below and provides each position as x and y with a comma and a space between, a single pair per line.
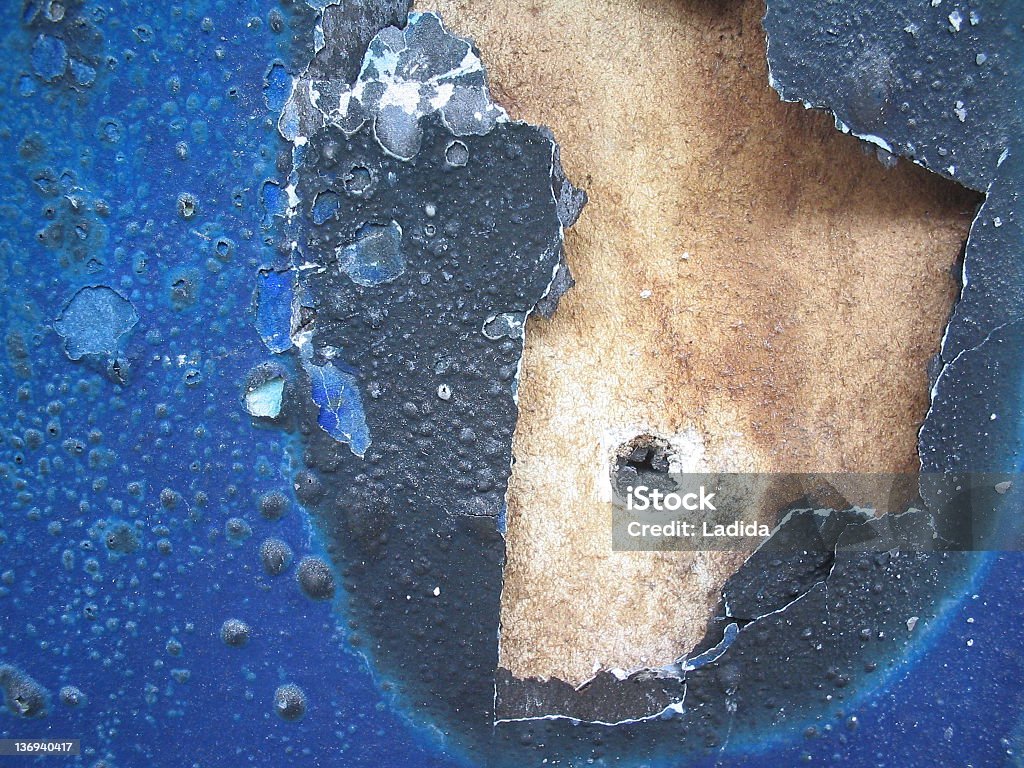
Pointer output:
796, 291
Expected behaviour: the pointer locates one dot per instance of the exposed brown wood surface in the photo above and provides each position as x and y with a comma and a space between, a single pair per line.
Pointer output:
797, 290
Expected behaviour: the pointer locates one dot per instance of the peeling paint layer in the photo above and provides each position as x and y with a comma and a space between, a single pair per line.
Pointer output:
943, 90
93, 322
748, 285
414, 523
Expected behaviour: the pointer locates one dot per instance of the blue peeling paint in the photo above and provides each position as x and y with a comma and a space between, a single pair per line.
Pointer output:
713, 654
277, 85
157, 100
49, 57
274, 200
375, 257
93, 322
326, 205
336, 393
274, 309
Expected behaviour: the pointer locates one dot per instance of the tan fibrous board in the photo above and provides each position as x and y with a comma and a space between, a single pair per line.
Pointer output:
750, 282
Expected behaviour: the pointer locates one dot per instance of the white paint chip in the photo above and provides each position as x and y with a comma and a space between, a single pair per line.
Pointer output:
264, 401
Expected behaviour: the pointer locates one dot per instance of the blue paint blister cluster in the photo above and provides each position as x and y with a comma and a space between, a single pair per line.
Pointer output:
146, 513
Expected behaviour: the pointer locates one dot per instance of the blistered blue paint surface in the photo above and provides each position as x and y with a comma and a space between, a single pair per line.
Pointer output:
177, 106
172, 102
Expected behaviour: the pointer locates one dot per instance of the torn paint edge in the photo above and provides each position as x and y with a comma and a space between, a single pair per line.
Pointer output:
949, 173
556, 172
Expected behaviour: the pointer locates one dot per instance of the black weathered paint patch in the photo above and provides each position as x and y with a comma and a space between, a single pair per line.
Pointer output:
605, 699
975, 423
348, 28
420, 513
798, 556
897, 71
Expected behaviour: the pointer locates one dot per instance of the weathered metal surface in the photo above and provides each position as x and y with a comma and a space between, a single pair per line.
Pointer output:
433, 343
749, 285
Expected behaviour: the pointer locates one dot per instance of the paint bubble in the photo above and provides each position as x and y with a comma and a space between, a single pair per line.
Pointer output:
358, 180
121, 538
70, 696
289, 702
187, 205
237, 530
315, 578
456, 154
308, 487
276, 556
234, 633
273, 505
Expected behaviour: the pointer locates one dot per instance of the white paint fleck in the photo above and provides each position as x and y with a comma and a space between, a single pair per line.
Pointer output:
264, 401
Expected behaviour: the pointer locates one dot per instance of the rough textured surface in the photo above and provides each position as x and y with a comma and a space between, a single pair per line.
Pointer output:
942, 85
416, 257
413, 524
149, 181
746, 277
